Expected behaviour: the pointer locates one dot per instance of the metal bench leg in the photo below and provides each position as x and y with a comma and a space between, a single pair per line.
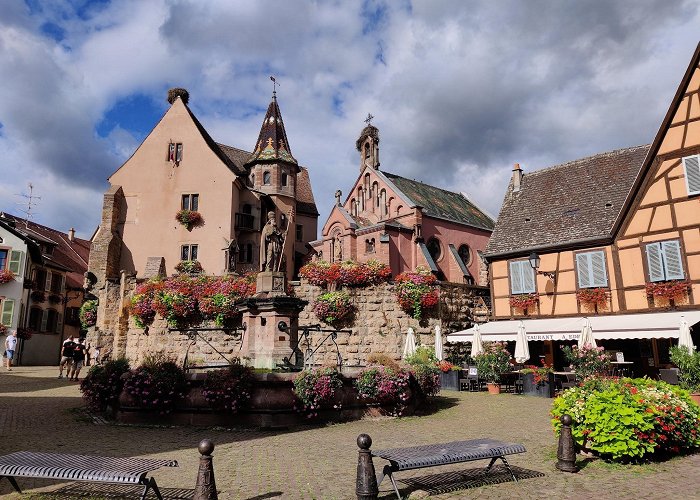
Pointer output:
13, 483
150, 484
493, 460
388, 471
505, 462
393, 482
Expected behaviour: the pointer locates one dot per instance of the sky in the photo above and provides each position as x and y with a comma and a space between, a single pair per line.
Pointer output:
459, 89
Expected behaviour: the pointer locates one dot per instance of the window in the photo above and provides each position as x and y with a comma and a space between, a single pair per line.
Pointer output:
35, 315
246, 253
190, 202
283, 222
56, 283
72, 316
3, 258
300, 232
16, 261
434, 248
591, 270
189, 252
465, 254
522, 277
369, 245
284, 178
7, 312
692, 173
40, 279
247, 208
175, 152
266, 178
51, 321
664, 261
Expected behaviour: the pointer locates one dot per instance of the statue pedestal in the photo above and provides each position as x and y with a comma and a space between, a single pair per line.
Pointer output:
265, 343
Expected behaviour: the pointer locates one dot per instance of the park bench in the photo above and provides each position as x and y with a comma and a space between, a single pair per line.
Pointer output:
82, 468
418, 457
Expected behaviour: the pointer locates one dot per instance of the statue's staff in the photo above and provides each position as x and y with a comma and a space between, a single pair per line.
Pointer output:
284, 240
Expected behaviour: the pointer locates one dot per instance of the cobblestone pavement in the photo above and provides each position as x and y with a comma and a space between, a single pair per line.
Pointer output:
38, 413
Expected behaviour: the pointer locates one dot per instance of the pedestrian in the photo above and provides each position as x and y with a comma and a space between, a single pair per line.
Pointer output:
10, 345
66, 356
96, 356
88, 347
78, 360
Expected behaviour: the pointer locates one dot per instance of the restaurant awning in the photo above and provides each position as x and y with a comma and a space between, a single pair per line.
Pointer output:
620, 326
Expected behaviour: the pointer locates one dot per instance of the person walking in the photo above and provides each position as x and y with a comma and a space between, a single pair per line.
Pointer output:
10, 345
78, 360
66, 356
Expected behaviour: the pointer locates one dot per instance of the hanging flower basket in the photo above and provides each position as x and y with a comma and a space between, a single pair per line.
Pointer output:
667, 289
88, 314
24, 333
333, 307
416, 291
189, 219
38, 296
524, 301
3, 330
6, 276
593, 296
55, 298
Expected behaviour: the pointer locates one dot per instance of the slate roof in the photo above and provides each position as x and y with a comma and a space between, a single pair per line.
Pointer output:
437, 202
568, 203
236, 156
272, 143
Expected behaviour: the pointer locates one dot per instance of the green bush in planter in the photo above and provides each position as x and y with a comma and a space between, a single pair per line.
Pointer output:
627, 420
424, 366
103, 384
494, 361
689, 366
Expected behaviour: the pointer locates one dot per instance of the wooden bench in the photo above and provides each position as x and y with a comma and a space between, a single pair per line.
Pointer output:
418, 457
82, 468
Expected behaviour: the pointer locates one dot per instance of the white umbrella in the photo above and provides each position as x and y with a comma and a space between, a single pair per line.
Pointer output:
522, 350
410, 347
587, 335
438, 343
684, 339
477, 348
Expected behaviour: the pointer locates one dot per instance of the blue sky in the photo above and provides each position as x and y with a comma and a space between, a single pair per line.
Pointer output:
460, 90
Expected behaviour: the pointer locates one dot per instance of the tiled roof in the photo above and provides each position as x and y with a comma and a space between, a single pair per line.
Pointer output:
272, 143
563, 204
70, 255
437, 202
236, 156
305, 195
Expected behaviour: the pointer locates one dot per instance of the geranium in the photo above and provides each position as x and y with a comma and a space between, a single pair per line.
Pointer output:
6, 276
189, 219
667, 289
88, 313
524, 300
157, 384
141, 305
416, 291
587, 361
316, 387
540, 374
175, 301
38, 296
3, 329
219, 296
333, 307
189, 267
24, 333
229, 389
445, 366
593, 296
347, 273
388, 386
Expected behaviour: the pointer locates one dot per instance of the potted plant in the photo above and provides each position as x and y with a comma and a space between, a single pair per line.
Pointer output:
449, 375
491, 363
688, 364
6, 276
538, 380
189, 219
587, 361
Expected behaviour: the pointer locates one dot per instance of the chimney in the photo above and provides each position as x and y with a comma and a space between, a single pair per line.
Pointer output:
71, 234
517, 177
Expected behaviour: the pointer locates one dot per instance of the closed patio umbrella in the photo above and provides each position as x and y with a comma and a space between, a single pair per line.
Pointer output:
586, 335
438, 343
477, 348
684, 338
410, 346
522, 350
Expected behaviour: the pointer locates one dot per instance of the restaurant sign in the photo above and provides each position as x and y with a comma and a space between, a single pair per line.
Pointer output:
553, 336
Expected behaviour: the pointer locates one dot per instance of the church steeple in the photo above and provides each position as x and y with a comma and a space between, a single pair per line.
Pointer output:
368, 145
272, 144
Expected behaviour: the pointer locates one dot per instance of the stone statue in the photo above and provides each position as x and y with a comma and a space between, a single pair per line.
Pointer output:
231, 252
270, 244
338, 194
338, 249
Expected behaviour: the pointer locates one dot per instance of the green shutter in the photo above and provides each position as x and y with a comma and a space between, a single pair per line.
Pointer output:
692, 173
15, 265
656, 269
8, 309
44, 319
673, 267
59, 323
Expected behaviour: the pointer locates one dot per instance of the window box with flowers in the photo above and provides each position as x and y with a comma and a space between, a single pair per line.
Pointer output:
345, 274
416, 291
524, 301
38, 296
189, 267
670, 290
55, 298
6, 276
189, 219
334, 308
593, 297
24, 333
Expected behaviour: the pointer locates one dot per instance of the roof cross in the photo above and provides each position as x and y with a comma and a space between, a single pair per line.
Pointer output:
369, 118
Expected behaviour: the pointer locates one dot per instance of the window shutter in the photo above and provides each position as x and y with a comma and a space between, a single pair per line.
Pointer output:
44, 319
692, 173
59, 323
672, 260
656, 270
8, 309
528, 276
16, 259
516, 279
583, 270
47, 283
598, 275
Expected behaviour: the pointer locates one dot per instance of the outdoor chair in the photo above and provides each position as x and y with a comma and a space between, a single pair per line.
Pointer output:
473, 382
669, 375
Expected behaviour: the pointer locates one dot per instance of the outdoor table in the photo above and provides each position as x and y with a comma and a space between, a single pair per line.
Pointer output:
621, 368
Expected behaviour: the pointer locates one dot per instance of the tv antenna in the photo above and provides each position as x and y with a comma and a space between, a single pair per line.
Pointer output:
30, 203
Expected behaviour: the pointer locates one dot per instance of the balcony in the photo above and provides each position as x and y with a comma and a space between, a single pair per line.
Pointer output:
245, 222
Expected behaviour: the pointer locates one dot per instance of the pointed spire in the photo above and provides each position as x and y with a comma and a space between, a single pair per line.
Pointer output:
272, 144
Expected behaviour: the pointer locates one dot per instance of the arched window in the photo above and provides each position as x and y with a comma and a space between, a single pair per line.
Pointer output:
267, 178
35, 314
398, 209
369, 245
375, 191
366, 149
434, 248
361, 198
382, 202
465, 254
353, 207
367, 179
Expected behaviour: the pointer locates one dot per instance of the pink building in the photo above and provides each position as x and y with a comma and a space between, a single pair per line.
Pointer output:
404, 223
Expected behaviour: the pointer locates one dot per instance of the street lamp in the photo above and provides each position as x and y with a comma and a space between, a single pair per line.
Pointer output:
535, 264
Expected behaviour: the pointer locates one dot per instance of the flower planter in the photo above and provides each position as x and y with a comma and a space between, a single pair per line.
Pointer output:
543, 389
695, 396
493, 388
449, 381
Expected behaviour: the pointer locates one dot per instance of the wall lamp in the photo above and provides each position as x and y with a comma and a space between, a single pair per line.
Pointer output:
535, 264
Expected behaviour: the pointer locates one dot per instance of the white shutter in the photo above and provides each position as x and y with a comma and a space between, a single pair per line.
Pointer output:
656, 269
8, 309
44, 319
671, 251
598, 275
528, 276
583, 269
15, 265
516, 279
692, 173
59, 322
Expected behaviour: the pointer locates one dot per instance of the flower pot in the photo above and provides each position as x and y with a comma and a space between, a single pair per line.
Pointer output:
543, 389
449, 380
695, 396
493, 388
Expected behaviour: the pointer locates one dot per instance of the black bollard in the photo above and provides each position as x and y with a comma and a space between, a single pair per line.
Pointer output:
566, 451
366, 486
205, 489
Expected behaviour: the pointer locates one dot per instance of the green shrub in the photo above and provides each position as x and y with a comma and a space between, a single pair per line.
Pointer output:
157, 384
315, 387
103, 384
493, 361
423, 355
689, 366
388, 386
229, 389
425, 370
629, 419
